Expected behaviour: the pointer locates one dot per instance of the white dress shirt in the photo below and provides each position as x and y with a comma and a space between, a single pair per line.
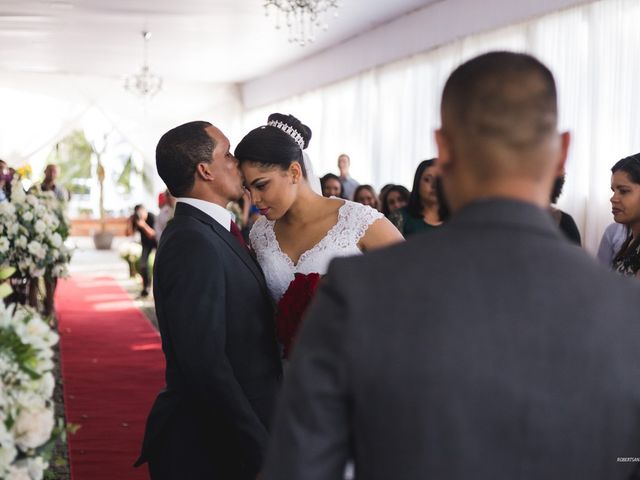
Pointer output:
218, 213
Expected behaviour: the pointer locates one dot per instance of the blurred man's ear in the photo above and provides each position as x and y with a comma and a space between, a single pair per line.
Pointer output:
444, 150
565, 142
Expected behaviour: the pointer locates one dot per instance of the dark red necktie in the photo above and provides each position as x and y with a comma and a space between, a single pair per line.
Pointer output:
235, 231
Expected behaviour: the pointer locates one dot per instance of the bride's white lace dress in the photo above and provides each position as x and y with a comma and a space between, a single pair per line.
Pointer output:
340, 241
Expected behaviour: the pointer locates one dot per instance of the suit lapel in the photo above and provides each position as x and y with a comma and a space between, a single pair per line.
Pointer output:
228, 238
241, 251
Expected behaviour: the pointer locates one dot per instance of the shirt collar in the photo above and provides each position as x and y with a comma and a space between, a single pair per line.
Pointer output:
218, 213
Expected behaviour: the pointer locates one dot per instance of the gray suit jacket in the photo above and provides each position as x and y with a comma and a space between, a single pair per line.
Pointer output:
491, 348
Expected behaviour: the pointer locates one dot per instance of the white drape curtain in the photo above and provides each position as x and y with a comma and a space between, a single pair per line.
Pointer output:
385, 118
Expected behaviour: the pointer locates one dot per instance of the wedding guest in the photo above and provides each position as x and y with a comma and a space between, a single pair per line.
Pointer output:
51, 174
349, 185
564, 221
396, 197
5, 182
422, 211
383, 193
167, 204
625, 205
331, 186
505, 352
611, 242
366, 195
143, 222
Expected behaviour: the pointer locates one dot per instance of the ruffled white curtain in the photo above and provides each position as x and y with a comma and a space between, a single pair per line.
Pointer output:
385, 118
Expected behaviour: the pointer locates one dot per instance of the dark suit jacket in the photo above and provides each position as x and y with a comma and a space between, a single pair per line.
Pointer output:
490, 348
222, 361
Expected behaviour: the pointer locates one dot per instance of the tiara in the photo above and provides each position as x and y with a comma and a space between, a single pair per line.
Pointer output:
289, 130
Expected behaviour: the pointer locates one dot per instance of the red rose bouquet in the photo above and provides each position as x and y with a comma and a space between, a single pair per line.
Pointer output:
292, 306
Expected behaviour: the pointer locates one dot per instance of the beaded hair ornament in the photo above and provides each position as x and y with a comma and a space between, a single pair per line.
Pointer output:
289, 130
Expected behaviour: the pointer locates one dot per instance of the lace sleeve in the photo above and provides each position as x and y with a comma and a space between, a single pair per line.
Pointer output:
360, 217
257, 236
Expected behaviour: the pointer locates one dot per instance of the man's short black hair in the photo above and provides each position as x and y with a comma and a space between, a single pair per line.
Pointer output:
502, 96
179, 152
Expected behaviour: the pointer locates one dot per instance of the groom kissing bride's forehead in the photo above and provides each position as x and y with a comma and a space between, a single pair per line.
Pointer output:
222, 361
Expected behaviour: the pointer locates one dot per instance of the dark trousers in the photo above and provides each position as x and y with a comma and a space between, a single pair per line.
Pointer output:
189, 452
143, 266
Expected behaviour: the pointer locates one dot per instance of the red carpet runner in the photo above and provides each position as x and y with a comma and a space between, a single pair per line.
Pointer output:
112, 366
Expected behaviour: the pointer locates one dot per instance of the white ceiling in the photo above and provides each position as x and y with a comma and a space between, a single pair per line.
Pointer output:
193, 40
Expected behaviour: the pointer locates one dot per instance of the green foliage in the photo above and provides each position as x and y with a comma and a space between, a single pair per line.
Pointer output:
6, 272
73, 428
5, 288
73, 155
25, 355
124, 180
129, 170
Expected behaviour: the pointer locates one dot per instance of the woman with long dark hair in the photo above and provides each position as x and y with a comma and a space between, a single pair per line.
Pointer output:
392, 198
625, 206
422, 212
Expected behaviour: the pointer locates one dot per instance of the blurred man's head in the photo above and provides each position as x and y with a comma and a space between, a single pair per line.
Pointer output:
343, 164
51, 173
499, 133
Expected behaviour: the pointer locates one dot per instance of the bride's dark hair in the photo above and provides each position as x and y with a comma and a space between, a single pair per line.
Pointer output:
271, 146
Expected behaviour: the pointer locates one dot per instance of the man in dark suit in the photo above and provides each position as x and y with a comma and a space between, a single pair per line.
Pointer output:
505, 352
216, 321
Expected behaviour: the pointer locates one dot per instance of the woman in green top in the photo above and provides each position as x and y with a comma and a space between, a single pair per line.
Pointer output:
421, 213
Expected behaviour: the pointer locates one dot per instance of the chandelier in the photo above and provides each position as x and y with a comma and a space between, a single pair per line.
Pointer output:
144, 84
302, 17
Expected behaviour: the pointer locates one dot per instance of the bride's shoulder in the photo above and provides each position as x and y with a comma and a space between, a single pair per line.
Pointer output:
357, 211
259, 230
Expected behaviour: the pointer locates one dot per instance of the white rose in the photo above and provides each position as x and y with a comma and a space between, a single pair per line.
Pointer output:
41, 210
27, 216
34, 332
60, 271
45, 385
7, 449
32, 199
21, 242
13, 229
7, 456
56, 240
17, 193
33, 427
4, 245
7, 208
35, 248
28, 401
40, 226
20, 471
36, 467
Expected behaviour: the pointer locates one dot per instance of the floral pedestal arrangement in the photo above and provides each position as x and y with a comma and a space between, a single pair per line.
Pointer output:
27, 420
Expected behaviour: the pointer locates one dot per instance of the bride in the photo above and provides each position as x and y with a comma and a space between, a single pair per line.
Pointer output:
300, 231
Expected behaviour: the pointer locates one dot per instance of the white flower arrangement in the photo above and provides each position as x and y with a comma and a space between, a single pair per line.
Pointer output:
27, 421
130, 251
34, 227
